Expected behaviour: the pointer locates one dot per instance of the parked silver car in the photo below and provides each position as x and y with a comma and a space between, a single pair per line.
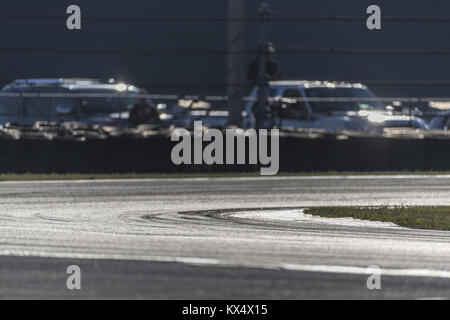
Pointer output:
185, 112
27, 101
329, 106
441, 121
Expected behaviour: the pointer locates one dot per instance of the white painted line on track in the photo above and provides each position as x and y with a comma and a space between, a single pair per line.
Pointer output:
426, 273
354, 270
273, 178
94, 256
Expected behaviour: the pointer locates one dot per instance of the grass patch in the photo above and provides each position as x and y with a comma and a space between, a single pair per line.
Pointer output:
435, 218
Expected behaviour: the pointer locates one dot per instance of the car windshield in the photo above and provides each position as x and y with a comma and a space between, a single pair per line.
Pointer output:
353, 104
108, 105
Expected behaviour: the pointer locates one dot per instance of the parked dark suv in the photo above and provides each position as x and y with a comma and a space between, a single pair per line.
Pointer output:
27, 101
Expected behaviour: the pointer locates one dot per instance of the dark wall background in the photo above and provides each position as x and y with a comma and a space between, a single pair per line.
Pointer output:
153, 155
166, 73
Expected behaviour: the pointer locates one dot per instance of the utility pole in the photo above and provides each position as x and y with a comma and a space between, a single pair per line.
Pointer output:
264, 15
236, 74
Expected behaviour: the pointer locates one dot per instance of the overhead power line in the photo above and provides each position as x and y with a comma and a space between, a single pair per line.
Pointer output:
123, 52
277, 17
367, 82
285, 49
126, 19
241, 33
405, 82
238, 35
302, 17
294, 49
36, 95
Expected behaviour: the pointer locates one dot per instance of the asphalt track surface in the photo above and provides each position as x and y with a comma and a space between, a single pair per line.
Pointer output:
200, 239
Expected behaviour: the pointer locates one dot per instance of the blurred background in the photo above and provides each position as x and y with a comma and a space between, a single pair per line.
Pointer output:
165, 46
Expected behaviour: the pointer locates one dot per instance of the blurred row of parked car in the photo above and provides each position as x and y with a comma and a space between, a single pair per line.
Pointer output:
292, 105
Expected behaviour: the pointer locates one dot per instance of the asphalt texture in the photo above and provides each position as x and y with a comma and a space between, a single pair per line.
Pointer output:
182, 239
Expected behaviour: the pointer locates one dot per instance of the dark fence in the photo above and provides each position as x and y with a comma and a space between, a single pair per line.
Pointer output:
152, 155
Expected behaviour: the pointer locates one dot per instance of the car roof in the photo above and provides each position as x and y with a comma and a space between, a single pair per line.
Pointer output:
101, 86
69, 84
315, 84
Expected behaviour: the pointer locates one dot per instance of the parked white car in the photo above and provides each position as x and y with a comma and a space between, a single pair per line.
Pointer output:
327, 105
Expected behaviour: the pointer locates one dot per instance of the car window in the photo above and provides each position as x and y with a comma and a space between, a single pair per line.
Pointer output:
100, 105
292, 93
127, 103
11, 106
273, 92
368, 99
64, 104
437, 123
294, 110
418, 124
447, 123
108, 104
37, 107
